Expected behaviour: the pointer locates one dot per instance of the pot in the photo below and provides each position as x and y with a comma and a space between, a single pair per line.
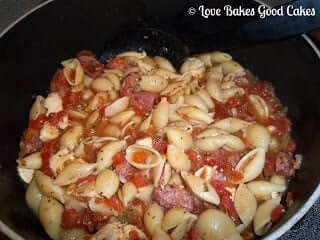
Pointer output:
32, 48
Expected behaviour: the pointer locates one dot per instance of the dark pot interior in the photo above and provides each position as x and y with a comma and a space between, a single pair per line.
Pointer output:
32, 50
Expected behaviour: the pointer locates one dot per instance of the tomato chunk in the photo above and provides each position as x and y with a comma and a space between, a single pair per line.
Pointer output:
277, 213
60, 84
142, 102
48, 149
115, 203
118, 158
91, 66
138, 180
129, 84
118, 63
140, 156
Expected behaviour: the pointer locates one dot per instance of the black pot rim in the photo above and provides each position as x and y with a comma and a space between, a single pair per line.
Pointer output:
272, 236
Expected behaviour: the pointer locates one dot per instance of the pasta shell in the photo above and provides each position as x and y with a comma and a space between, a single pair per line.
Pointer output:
33, 197
49, 132
53, 103
107, 183
32, 161
127, 193
117, 106
25, 174
264, 189
156, 172
101, 207
106, 153
177, 159
194, 65
196, 114
258, 136
153, 83
258, 107
196, 101
231, 67
220, 57
231, 125
133, 54
144, 193
152, 160
159, 234
204, 95
179, 138
71, 137
97, 101
122, 118
37, 108
234, 236
262, 219
245, 204
160, 115
73, 72
251, 165
146, 123
72, 234
50, 215
214, 224
74, 172
175, 217
201, 188
212, 132
102, 85
47, 186
229, 142
164, 63
206, 173
153, 218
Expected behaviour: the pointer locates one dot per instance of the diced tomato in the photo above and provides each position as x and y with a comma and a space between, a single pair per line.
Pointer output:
226, 203
138, 180
55, 118
192, 234
142, 102
115, 203
30, 142
38, 122
72, 99
85, 53
118, 63
291, 147
277, 213
102, 111
234, 102
236, 176
90, 153
91, 66
197, 161
140, 156
196, 131
100, 127
124, 169
159, 144
72, 219
48, 149
279, 163
289, 199
133, 235
129, 84
60, 84
85, 179
118, 158
221, 111
281, 123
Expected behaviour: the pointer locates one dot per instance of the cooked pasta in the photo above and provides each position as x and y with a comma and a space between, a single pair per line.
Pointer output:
134, 149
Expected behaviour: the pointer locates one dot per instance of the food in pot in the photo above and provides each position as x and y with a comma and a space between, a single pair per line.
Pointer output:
134, 149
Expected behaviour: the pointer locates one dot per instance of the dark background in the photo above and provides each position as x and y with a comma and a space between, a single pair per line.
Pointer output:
307, 228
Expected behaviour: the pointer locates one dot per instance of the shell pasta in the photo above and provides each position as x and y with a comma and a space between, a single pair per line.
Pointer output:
135, 149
